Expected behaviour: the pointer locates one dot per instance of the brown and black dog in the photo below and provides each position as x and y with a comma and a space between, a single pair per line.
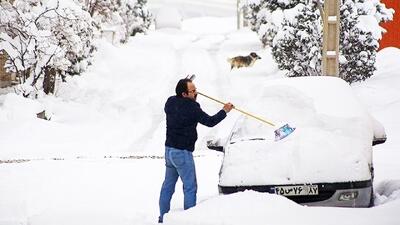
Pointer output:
243, 61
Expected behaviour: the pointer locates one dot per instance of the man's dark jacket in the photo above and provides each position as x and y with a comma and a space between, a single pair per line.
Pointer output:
183, 114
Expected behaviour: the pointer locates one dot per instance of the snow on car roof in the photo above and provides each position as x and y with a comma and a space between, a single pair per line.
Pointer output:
332, 141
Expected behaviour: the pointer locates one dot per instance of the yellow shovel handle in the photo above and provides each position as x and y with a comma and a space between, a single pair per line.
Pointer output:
244, 112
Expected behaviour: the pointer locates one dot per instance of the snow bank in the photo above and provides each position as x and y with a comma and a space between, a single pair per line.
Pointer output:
250, 207
387, 191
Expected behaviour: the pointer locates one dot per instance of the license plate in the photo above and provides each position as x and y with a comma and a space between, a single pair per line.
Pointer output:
297, 190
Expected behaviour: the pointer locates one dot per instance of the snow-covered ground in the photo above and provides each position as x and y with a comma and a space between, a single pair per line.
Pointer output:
98, 160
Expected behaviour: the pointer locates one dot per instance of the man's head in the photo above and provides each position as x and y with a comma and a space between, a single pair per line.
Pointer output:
185, 88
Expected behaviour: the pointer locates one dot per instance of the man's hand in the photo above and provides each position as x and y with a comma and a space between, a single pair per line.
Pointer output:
228, 107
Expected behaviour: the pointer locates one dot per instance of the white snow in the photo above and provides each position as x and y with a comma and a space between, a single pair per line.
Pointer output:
370, 24
168, 17
331, 53
332, 18
76, 176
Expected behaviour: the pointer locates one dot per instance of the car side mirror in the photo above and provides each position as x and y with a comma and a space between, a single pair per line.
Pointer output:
378, 141
214, 145
379, 133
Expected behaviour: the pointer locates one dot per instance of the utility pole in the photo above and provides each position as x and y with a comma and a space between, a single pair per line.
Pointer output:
331, 31
238, 14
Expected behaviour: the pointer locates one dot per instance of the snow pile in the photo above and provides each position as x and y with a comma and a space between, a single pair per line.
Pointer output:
387, 191
250, 207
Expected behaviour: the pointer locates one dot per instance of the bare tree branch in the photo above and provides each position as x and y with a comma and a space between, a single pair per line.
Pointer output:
46, 11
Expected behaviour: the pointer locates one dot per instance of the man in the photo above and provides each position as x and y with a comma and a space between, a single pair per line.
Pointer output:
183, 114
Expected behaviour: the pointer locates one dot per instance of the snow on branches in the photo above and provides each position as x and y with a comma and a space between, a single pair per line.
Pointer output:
297, 44
122, 17
359, 36
295, 35
46, 39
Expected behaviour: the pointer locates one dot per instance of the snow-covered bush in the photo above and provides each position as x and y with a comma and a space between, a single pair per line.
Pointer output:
359, 35
44, 39
260, 20
296, 35
297, 45
266, 16
124, 18
141, 20
293, 29
253, 15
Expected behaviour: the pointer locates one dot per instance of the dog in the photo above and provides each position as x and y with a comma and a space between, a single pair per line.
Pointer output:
243, 61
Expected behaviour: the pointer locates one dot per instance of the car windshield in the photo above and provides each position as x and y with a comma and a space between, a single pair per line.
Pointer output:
247, 128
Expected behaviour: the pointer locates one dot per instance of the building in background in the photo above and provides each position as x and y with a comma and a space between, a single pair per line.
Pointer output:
392, 37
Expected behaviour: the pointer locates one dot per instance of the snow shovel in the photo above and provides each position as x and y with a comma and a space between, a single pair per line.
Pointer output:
280, 133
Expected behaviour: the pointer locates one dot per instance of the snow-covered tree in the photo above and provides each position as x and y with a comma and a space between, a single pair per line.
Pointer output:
122, 17
253, 15
141, 19
359, 35
293, 29
297, 45
266, 16
44, 39
260, 20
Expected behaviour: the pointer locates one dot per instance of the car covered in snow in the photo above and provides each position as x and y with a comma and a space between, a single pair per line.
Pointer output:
326, 161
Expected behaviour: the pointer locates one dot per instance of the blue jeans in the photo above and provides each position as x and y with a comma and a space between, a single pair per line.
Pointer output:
178, 163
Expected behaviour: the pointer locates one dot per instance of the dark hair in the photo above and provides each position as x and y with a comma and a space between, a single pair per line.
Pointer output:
182, 86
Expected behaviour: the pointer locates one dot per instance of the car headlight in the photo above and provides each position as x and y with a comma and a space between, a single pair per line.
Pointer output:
348, 195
